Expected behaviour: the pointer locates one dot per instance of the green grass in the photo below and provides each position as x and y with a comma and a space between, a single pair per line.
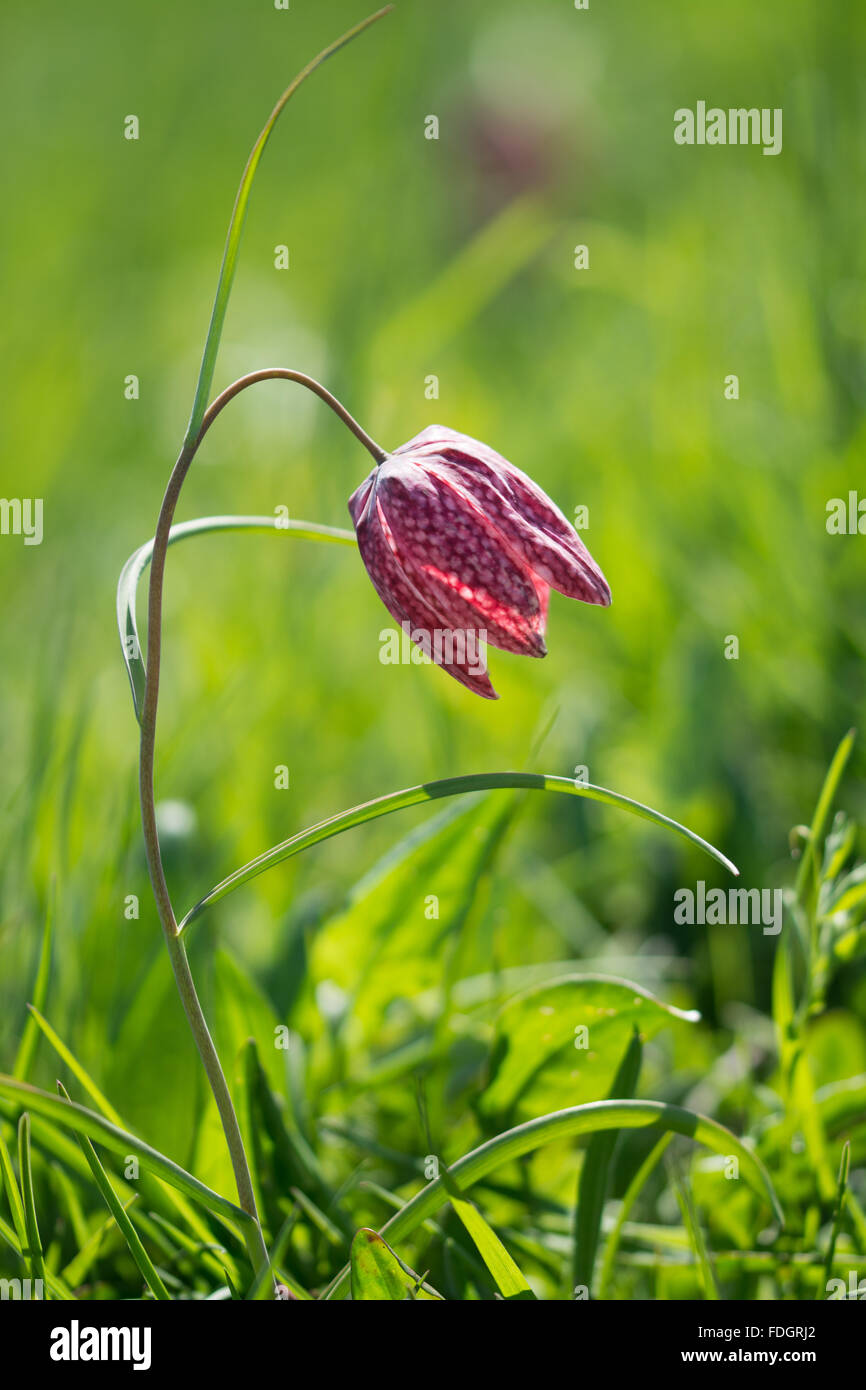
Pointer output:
334, 990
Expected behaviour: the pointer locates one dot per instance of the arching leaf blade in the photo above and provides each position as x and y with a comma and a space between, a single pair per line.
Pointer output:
145, 1264
435, 791
130, 575
563, 1124
80, 1120
27, 1047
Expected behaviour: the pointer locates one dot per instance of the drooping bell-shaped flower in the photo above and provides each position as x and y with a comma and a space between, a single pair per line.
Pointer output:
463, 548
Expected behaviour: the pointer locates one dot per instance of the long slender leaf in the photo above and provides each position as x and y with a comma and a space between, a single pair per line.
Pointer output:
506, 1273
13, 1195
134, 566
844, 1168
696, 1238
233, 239
79, 1266
209, 1253
48, 1137
130, 575
318, 1218
171, 1194
68, 1195
434, 791
810, 860
27, 1046
55, 1285
83, 1121
35, 1255
298, 1163
396, 1203
120, 1214
563, 1124
78, 1071
595, 1173
633, 1191
10, 1237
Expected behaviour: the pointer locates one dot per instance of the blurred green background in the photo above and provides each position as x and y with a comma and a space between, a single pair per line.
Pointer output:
412, 257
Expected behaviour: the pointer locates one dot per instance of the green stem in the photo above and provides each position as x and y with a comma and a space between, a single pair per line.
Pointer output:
176, 949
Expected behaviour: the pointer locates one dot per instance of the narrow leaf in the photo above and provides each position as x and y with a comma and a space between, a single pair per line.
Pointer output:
236, 224
696, 1239
13, 1195
594, 1175
564, 1124
78, 1071
79, 1266
83, 1121
170, 1194
506, 1273
842, 1188
810, 860
434, 791
262, 1286
25, 1167
27, 1047
633, 1191
118, 1211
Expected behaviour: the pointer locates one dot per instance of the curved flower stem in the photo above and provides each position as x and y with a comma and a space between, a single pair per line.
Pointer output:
176, 949
289, 374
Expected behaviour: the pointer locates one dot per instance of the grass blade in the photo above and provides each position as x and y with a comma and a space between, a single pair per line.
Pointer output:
101, 1102
632, 1193
33, 1252
434, 791
72, 1062
233, 239
68, 1199
297, 1163
27, 1046
13, 1195
809, 864
844, 1167
563, 1124
696, 1238
78, 1118
594, 1175
8, 1235
118, 1211
77, 1270
506, 1273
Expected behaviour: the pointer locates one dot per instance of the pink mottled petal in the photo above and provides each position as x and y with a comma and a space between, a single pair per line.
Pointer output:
529, 521
360, 497
406, 605
455, 558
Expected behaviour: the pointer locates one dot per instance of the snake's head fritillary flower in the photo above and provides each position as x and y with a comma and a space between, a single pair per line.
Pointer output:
463, 548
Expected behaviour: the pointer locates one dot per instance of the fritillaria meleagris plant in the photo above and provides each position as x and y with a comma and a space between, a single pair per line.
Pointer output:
458, 544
